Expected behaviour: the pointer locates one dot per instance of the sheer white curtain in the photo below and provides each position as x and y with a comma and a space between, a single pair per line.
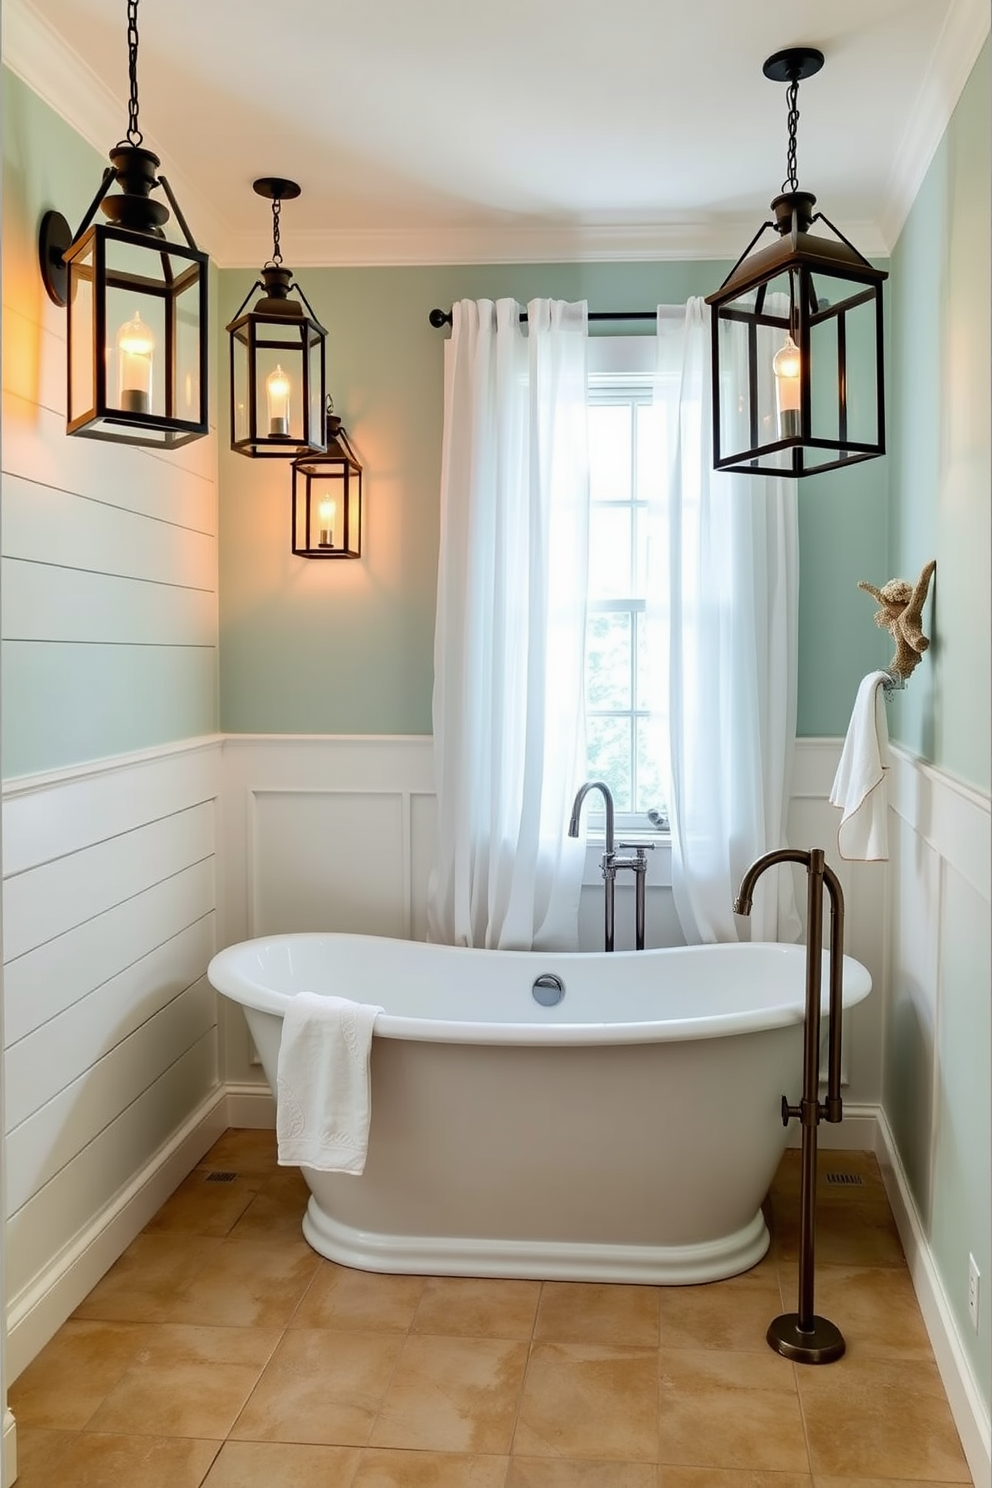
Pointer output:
509, 735
733, 596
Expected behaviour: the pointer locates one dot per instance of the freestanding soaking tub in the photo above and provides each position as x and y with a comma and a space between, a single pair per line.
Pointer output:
627, 1133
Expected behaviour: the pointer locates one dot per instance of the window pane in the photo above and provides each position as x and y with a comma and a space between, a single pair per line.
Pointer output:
651, 791
608, 661
609, 552
646, 673
609, 451
609, 756
650, 452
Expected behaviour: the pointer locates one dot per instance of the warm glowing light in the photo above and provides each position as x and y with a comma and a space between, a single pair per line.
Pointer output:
327, 510
135, 352
787, 366
277, 391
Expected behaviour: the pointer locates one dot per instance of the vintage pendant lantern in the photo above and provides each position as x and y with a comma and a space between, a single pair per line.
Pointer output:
797, 334
278, 381
327, 498
137, 302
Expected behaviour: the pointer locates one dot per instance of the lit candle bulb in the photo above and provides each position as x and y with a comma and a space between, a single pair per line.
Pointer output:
326, 512
135, 350
277, 388
786, 365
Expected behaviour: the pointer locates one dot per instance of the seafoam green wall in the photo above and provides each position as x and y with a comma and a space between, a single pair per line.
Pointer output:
312, 647
940, 508
940, 453
109, 553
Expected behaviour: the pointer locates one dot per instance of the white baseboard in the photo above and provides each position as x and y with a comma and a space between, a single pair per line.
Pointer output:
856, 1133
40, 1310
970, 1411
251, 1106
8, 1450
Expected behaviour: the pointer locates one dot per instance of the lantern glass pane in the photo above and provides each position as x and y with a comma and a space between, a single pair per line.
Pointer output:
280, 410
842, 368
750, 337
239, 386
315, 361
138, 302
187, 391
862, 374
82, 334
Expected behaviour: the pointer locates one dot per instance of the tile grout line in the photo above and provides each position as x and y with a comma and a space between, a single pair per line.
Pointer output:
530, 1341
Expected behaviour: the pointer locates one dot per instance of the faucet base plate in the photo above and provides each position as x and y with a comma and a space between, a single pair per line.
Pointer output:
821, 1344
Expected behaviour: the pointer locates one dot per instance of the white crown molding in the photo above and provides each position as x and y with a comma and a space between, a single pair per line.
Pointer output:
37, 54
535, 242
955, 54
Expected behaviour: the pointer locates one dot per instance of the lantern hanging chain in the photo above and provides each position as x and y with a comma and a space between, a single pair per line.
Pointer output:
276, 258
134, 135
791, 182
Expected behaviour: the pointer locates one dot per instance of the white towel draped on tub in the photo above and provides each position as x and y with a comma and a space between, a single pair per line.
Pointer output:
323, 1105
859, 785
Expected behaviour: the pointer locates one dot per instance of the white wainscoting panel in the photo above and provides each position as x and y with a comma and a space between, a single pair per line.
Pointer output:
111, 1043
328, 859
321, 833
937, 1128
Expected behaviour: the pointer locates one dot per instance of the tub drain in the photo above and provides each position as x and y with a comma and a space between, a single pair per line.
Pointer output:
548, 990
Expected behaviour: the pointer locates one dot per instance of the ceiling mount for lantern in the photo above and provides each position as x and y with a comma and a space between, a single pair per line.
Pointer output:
793, 64
137, 302
277, 355
797, 333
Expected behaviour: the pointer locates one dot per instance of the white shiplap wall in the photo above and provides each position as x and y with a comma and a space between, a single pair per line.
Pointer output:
110, 1066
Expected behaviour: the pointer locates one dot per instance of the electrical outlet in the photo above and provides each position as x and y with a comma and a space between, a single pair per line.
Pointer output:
974, 1277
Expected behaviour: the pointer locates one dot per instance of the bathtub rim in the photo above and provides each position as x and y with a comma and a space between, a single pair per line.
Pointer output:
226, 974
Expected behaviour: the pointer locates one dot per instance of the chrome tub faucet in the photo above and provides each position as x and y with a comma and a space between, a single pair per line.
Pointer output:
609, 856
612, 865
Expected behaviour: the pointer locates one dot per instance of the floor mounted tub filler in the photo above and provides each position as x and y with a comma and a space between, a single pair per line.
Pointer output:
569, 1116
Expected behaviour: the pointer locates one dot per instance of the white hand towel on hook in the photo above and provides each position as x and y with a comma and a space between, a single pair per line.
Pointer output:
859, 785
323, 1103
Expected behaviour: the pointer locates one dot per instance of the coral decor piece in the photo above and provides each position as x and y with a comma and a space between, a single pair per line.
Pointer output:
902, 614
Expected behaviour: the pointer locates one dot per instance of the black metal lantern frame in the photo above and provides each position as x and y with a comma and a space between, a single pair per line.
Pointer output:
327, 499
278, 377
798, 383
137, 302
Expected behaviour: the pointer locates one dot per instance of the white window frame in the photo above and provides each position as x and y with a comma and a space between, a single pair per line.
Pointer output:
624, 367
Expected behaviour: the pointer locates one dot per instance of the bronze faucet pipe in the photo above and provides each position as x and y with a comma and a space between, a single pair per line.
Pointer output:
802, 1335
834, 1110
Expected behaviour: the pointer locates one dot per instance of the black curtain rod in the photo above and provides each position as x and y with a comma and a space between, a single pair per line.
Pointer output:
439, 318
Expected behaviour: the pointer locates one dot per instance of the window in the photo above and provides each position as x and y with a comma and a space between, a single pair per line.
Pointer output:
625, 694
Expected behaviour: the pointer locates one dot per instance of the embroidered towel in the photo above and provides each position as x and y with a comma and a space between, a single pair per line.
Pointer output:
859, 785
323, 1105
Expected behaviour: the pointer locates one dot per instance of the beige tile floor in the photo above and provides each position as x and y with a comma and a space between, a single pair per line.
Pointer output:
220, 1350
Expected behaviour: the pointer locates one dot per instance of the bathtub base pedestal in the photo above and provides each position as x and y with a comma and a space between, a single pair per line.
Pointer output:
821, 1343
542, 1260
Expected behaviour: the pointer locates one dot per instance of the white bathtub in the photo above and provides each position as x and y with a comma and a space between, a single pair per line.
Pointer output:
629, 1133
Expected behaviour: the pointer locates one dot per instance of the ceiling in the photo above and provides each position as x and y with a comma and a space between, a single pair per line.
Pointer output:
532, 129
